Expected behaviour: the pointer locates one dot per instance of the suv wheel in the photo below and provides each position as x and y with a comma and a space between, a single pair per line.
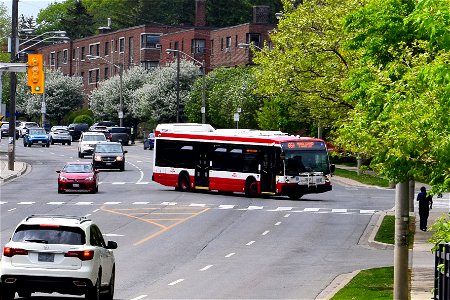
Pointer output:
7, 294
110, 292
94, 292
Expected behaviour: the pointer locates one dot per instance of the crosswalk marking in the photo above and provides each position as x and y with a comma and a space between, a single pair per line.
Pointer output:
314, 210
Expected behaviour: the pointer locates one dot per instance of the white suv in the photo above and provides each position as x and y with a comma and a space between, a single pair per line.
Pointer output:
87, 142
63, 254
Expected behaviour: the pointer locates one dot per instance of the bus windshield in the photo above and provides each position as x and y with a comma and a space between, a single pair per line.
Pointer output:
303, 161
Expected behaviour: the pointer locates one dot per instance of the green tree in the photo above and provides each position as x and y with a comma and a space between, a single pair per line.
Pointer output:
401, 90
78, 22
227, 89
50, 18
305, 70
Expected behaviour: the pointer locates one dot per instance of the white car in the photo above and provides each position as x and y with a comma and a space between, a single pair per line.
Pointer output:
55, 253
24, 126
87, 142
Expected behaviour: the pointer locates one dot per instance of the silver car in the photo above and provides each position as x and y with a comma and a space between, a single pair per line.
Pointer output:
60, 134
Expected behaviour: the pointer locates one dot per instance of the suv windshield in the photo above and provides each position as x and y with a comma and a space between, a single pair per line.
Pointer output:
108, 148
49, 235
37, 131
94, 137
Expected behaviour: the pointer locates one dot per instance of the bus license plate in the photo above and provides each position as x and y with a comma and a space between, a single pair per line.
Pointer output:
46, 257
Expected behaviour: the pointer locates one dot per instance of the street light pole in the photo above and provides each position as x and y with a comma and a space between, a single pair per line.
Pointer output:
13, 83
203, 66
120, 68
178, 86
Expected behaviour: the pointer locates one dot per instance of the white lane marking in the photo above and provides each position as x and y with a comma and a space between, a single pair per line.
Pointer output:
226, 206
311, 209
139, 297
367, 211
197, 205
55, 203
112, 203
283, 208
142, 182
141, 176
12, 209
139, 161
176, 282
230, 255
96, 210
255, 207
26, 203
112, 234
3, 202
206, 268
140, 203
286, 215
168, 203
339, 210
87, 215
118, 182
249, 243
265, 232
83, 203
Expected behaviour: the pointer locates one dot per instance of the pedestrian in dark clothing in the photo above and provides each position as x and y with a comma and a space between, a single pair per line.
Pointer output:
425, 204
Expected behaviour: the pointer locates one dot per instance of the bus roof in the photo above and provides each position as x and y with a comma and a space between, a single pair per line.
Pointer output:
226, 135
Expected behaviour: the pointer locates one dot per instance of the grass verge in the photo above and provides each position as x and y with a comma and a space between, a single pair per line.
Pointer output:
363, 178
375, 283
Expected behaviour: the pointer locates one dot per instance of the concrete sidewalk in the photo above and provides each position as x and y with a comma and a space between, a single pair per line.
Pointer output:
6, 175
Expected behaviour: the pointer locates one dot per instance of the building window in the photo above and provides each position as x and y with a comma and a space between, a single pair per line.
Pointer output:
198, 46
212, 46
106, 73
175, 46
122, 45
254, 38
130, 51
112, 46
150, 41
65, 56
106, 48
83, 53
228, 42
74, 53
221, 44
94, 49
236, 41
93, 76
58, 59
52, 59
149, 65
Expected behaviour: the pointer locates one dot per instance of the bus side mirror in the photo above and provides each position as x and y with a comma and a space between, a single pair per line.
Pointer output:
332, 168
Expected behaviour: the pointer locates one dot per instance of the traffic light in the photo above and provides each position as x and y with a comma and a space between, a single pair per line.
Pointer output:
36, 73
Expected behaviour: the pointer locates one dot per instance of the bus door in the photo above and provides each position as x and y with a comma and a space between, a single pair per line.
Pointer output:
202, 169
268, 171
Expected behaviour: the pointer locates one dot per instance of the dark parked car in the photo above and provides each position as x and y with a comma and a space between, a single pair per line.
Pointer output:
5, 131
109, 155
120, 134
76, 129
149, 142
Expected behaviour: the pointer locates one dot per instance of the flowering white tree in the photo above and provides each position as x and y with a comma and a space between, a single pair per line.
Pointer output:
147, 95
157, 99
105, 100
62, 95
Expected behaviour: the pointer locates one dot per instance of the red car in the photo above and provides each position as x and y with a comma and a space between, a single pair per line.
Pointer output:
78, 176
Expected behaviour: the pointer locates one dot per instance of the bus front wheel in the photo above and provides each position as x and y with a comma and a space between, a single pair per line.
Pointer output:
183, 182
251, 188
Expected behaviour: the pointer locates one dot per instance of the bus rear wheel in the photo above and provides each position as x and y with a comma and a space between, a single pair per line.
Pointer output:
251, 188
183, 182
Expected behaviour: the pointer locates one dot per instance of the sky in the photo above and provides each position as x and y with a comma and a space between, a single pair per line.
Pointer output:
29, 8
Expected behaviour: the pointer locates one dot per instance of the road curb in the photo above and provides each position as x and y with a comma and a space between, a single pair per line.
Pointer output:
23, 168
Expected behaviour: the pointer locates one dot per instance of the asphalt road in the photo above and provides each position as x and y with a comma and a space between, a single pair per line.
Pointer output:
204, 245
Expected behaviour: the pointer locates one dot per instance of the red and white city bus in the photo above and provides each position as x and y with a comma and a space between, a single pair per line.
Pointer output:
193, 156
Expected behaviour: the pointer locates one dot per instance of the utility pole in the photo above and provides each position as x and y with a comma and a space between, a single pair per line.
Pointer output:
13, 84
401, 288
178, 86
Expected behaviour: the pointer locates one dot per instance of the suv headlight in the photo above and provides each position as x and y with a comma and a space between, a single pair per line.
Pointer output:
97, 158
119, 158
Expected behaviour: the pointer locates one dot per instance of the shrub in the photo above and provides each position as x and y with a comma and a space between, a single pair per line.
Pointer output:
84, 119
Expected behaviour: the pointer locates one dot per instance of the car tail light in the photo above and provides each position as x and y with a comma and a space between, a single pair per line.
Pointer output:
82, 255
10, 252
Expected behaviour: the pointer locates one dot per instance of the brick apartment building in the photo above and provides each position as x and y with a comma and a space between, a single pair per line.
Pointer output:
146, 46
